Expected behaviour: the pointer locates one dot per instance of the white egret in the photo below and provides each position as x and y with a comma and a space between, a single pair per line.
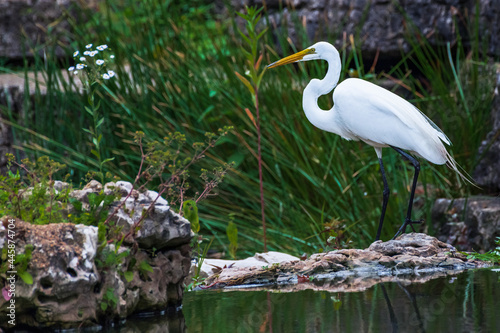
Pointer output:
364, 111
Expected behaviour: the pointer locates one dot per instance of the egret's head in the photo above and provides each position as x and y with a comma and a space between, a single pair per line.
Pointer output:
315, 52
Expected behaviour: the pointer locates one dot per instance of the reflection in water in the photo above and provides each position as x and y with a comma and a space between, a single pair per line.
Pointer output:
170, 322
468, 302
392, 315
413, 301
394, 321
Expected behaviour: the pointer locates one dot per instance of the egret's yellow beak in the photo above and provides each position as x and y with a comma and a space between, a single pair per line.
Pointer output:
292, 58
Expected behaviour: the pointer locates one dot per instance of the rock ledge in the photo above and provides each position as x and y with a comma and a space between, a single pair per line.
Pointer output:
413, 257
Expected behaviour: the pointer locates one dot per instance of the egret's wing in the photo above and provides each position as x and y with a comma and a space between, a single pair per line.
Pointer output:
436, 127
380, 117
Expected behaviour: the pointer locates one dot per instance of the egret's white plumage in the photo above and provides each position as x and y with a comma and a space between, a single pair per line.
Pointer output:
364, 111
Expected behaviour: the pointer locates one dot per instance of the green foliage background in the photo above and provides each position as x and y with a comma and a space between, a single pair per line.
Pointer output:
175, 65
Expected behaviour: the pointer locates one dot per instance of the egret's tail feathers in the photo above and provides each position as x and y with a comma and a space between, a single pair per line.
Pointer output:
452, 164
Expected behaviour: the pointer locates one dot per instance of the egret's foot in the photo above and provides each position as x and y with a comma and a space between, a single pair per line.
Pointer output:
410, 223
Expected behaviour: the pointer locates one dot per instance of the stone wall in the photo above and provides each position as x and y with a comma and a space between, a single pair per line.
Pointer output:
471, 224
487, 172
23, 24
73, 276
383, 24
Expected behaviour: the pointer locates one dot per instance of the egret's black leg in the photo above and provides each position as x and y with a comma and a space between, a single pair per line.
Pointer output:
385, 199
408, 220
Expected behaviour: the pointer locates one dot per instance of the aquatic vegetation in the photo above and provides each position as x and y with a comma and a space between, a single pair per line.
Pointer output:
492, 256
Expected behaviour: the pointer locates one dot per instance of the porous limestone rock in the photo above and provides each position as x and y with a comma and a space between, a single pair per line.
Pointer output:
69, 284
162, 227
63, 270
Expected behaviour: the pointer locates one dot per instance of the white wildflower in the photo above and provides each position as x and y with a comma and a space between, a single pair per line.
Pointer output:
88, 46
93, 53
111, 73
102, 47
80, 66
76, 54
83, 59
105, 76
99, 62
75, 72
72, 68
86, 53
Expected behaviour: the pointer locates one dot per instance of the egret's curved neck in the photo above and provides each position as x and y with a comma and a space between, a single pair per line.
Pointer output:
323, 119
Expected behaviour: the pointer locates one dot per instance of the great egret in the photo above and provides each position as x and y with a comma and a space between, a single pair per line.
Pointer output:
364, 111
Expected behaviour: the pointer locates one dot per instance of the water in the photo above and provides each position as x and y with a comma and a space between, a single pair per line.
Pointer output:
468, 302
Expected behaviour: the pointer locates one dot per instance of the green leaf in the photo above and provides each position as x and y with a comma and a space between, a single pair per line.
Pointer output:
104, 306
145, 267
108, 160
129, 276
206, 112
190, 211
245, 82
249, 57
99, 123
101, 232
244, 37
27, 278
232, 233
242, 15
132, 263
122, 255
95, 153
260, 77
110, 294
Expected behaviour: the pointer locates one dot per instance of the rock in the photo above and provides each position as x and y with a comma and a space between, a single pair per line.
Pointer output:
382, 25
487, 172
22, 20
63, 270
470, 224
160, 229
69, 287
73, 277
212, 266
125, 187
82, 196
94, 186
60, 186
411, 257
419, 245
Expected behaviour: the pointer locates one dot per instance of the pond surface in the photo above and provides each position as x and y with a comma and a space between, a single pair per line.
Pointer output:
468, 302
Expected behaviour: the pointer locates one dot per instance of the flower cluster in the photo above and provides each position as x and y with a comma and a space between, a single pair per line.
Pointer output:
94, 62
